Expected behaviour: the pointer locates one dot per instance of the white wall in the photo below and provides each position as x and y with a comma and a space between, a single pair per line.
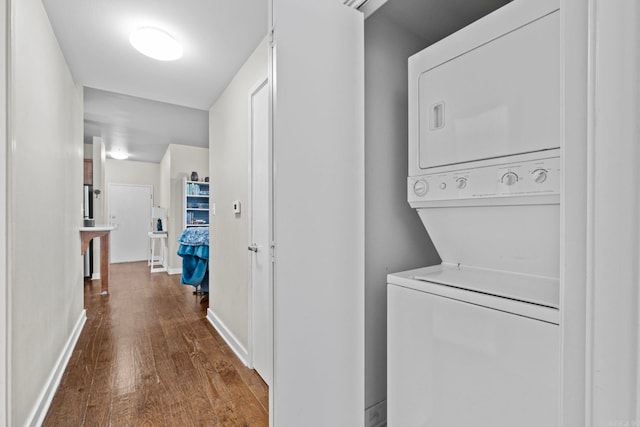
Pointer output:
394, 235
229, 158
130, 172
99, 200
99, 181
45, 207
178, 162
88, 151
163, 197
165, 201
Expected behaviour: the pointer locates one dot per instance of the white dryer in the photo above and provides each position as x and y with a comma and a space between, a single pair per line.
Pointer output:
474, 341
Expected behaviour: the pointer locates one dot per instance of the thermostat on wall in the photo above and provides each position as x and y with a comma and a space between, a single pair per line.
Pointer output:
236, 206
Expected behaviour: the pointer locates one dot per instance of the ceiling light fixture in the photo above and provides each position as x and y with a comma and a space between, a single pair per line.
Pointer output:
119, 154
156, 43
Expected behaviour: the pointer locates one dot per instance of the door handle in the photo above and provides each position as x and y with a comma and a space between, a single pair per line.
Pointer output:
253, 248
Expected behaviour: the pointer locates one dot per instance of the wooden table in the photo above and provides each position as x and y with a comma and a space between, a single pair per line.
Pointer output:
101, 231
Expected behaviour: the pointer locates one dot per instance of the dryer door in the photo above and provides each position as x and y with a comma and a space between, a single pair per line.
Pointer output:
500, 98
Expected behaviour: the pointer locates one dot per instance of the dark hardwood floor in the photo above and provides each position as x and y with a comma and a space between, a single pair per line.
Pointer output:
148, 356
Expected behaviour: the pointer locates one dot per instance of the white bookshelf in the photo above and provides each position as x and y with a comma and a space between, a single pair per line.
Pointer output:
195, 203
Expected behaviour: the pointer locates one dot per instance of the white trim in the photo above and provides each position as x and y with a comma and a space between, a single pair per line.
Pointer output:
590, 298
4, 241
573, 213
616, 65
271, 77
228, 337
4, 299
7, 180
172, 271
39, 411
262, 82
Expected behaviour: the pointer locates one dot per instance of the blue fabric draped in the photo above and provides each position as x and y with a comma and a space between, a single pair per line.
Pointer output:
195, 236
194, 250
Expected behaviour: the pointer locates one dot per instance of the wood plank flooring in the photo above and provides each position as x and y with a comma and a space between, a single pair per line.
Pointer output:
148, 356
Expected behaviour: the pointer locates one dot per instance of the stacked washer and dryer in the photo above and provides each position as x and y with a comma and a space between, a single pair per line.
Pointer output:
474, 341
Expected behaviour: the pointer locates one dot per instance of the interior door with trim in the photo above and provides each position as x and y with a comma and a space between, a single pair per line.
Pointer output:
130, 209
261, 346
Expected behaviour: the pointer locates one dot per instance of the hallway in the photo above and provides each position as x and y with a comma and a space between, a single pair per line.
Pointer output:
148, 356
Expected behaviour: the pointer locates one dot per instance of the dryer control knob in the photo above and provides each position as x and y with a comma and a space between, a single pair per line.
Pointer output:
461, 183
540, 175
509, 178
420, 187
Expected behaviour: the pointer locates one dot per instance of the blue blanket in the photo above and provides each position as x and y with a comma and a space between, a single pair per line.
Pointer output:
195, 236
194, 250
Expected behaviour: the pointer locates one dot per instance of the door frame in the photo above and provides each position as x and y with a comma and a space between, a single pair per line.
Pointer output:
598, 283
108, 199
263, 82
5, 189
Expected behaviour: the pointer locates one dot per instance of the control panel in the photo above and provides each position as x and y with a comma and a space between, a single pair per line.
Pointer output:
511, 178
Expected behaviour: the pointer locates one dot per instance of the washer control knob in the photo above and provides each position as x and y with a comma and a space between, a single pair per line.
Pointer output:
420, 187
443, 185
540, 175
461, 183
509, 178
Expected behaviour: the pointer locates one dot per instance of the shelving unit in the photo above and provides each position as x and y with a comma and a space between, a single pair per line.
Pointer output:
195, 203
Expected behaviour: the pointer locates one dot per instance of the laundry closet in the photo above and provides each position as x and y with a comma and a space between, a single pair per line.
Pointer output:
597, 304
482, 129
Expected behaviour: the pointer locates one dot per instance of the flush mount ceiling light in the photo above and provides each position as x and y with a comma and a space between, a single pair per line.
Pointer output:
156, 44
119, 154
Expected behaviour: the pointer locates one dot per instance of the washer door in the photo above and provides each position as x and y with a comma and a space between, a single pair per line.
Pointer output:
453, 364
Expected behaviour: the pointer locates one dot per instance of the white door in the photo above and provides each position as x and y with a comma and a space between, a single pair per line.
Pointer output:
317, 77
130, 209
261, 295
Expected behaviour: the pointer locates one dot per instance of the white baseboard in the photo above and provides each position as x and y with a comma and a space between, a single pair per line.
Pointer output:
46, 395
174, 271
228, 337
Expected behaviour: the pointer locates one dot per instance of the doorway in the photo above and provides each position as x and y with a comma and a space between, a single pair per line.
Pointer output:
261, 296
130, 210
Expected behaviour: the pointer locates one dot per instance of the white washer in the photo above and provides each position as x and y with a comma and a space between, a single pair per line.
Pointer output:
474, 341
465, 358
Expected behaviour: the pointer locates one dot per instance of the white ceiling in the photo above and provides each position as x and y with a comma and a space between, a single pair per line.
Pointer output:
217, 37
140, 126
142, 105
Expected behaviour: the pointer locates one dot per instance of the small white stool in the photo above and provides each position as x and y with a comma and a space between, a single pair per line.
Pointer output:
156, 262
